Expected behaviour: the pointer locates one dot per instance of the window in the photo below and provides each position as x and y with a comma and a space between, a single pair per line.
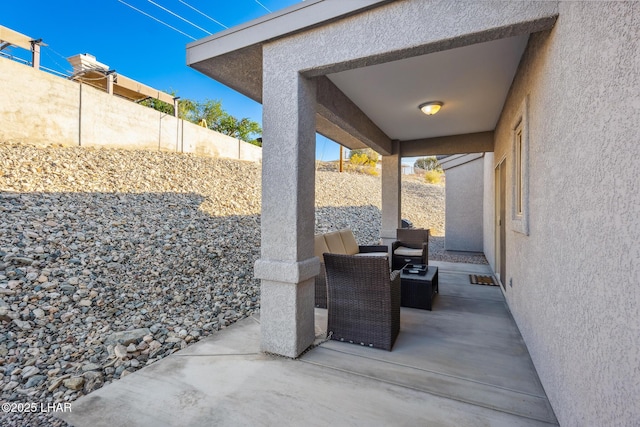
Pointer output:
520, 178
519, 169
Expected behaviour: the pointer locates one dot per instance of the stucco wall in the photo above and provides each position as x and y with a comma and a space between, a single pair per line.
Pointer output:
464, 206
488, 208
39, 108
576, 276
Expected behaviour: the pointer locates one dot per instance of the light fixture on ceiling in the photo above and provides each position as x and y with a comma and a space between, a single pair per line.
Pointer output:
431, 107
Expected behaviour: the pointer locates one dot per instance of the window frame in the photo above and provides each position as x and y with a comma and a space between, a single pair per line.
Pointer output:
520, 170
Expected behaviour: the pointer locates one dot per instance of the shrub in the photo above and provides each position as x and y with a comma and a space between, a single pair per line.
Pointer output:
363, 161
363, 157
428, 164
433, 177
368, 170
359, 159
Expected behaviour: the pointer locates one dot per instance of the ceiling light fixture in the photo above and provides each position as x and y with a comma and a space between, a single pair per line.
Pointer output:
431, 107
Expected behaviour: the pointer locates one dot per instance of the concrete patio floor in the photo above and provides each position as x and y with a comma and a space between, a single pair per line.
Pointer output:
462, 364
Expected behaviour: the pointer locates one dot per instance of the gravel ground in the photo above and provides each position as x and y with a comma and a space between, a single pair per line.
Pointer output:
111, 260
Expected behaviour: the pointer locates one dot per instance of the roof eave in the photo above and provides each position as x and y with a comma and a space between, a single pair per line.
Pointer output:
234, 56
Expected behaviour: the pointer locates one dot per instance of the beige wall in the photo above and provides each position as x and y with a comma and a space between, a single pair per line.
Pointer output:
39, 108
576, 276
107, 121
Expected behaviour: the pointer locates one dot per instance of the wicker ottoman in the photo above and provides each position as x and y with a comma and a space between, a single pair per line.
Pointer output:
417, 290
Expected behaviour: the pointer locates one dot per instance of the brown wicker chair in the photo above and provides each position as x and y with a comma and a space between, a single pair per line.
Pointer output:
363, 300
339, 240
321, 288
412, 247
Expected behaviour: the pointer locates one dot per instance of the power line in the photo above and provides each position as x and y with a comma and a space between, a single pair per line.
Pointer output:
157, 20
47, 47
66, 70
265, 7
177, 16
203, 14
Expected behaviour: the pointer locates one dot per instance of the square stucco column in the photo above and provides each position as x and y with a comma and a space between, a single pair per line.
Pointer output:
287, 266
391, 196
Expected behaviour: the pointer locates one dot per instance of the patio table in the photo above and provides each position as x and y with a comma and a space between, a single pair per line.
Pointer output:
417, 290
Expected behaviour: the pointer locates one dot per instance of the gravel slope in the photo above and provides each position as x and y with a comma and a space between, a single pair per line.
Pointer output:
162, 245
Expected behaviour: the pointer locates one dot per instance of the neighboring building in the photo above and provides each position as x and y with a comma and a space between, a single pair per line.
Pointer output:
549, 90
407, 169
464, 202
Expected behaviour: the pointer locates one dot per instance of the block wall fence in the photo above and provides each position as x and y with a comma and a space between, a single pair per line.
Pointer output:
39, 108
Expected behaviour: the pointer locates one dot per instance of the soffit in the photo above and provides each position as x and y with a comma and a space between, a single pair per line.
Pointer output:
471, 81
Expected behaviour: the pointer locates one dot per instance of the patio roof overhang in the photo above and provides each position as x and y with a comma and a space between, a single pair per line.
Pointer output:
373, 100
356, 72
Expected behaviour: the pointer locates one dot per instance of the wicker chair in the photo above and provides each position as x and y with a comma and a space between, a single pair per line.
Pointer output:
340, 242
363, 300
412, 247
321, 288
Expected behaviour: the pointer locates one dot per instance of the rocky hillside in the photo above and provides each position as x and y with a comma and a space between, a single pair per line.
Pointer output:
161, 245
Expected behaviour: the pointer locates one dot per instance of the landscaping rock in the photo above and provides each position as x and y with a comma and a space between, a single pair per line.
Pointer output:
105, 249
74, 383
127, 337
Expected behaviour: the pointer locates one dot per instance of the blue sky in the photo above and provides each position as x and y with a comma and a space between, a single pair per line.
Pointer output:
138, 46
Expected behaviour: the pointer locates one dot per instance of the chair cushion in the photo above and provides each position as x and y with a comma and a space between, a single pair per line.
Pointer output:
349, 241
404, 251
320, 246
334, 243
377, 254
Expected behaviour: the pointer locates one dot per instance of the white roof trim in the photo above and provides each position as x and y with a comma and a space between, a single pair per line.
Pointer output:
274, 25
456, 160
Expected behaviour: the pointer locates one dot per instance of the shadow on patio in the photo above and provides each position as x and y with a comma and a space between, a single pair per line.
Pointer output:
462, 364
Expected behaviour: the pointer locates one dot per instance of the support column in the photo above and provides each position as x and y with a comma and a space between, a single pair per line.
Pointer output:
35, 53
110, 81
287, 266
391, 195
176, 105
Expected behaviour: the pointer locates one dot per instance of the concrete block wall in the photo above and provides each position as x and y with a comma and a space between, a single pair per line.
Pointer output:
39, 108
107, 122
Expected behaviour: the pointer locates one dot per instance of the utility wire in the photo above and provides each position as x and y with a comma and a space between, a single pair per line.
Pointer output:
65, 68
177, 16
265, 7
203, 14
156, 19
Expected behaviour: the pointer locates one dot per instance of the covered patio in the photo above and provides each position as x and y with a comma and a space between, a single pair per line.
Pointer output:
357, 73
464, 363
548, 90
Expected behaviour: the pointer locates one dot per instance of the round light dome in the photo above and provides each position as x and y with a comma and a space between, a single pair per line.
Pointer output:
430, 108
